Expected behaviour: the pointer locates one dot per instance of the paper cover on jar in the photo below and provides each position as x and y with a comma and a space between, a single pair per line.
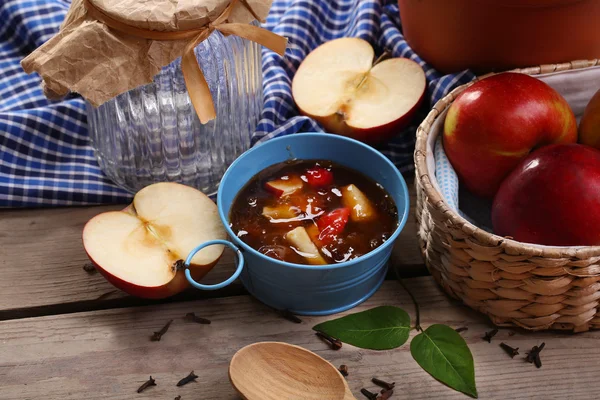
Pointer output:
107, 47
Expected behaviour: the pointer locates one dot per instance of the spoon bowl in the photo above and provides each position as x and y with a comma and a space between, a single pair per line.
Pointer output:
275, 371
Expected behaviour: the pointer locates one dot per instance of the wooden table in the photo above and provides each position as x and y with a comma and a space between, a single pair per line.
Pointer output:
68, 334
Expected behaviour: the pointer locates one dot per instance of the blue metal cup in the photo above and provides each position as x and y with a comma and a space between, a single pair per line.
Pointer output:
309, 289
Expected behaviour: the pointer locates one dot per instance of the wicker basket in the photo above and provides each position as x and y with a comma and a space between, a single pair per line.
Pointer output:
514, 284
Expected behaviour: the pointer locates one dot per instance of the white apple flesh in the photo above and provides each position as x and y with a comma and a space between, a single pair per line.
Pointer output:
360, 206
299, 239
139, 249
338, 85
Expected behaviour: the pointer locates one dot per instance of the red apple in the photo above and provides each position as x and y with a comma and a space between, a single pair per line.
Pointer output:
552, 198
338, 85
498, 121
589, 127
139, 249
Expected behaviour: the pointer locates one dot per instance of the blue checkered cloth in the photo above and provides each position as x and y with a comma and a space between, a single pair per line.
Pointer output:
45, 156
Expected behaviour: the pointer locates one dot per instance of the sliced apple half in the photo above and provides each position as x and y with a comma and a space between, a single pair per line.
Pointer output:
338, 85
140, 250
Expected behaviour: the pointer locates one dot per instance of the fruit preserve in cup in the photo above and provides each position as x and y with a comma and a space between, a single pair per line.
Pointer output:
300, 276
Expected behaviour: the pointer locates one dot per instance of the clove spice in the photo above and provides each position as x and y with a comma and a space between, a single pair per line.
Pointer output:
89, 268
178, 398
147, 384
334, 343
191, 377
368, 395
533, 356
489, 335
157, 335
289, 316
461, 329
385, 385
343, 370
193, 318
385, 394
511, 351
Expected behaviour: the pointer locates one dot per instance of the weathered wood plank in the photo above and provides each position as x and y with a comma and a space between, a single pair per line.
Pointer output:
41, 260
107, 354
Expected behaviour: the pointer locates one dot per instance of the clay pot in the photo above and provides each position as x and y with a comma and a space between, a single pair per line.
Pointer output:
491, 35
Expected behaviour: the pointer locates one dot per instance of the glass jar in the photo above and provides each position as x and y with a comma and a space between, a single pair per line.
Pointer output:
152, 133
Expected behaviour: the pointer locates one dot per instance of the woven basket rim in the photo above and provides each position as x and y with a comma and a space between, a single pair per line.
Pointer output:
437, 200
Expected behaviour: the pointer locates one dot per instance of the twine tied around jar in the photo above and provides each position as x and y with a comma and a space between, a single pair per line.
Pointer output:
195, 81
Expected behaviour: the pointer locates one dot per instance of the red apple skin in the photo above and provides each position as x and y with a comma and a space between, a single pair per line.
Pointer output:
552, 198
498, 121
589, 127
178, 284
373, 136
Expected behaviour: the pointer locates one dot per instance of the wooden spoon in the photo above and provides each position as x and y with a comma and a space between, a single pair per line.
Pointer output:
276, 371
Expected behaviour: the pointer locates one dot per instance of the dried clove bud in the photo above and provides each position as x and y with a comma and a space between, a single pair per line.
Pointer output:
461, 329
533, 356
489, 335
147, 384
193, 318
343, 369
289, 316
385, 394
385, 385
157, 335
511, 351
191, 377
334, 343
178, 398
368, 395
90, 268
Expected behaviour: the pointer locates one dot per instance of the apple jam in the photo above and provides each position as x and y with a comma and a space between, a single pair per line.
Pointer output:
313, 212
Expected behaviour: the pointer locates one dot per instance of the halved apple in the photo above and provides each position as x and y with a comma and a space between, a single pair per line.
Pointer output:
338, 85
141, 249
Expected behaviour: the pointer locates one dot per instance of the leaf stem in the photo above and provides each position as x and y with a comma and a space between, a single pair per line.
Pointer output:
414, 300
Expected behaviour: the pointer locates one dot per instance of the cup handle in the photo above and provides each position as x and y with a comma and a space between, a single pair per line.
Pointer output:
236, 274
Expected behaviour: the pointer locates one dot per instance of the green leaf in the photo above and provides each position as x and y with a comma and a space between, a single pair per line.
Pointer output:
442, 352
379, 328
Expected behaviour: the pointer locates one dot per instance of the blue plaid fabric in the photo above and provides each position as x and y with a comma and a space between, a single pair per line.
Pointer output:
45, 156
